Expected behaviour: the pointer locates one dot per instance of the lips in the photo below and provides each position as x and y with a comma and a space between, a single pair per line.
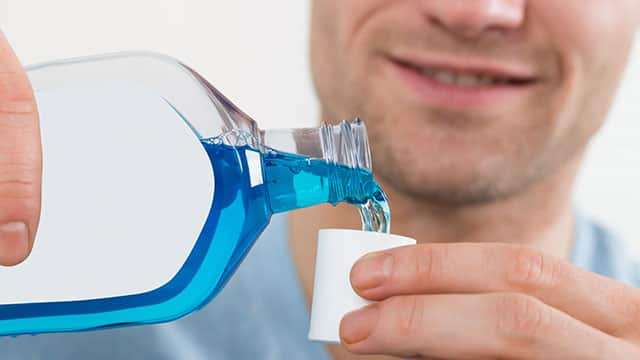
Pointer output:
459, 83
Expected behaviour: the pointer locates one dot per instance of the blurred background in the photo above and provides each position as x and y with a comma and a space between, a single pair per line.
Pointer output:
255, 52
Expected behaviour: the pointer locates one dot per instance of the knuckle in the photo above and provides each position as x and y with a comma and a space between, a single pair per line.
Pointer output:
19, 189
521, 318
531, 269
18, 107
408, 314
427, 263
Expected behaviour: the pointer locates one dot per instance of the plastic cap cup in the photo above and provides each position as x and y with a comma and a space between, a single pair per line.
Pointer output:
333, 296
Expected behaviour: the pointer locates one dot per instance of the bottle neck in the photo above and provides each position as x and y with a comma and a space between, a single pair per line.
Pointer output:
306, 167
343, 144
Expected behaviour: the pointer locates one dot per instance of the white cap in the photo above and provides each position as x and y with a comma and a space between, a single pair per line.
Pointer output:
333, 296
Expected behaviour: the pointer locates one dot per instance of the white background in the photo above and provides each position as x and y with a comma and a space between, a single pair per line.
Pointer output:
256, 53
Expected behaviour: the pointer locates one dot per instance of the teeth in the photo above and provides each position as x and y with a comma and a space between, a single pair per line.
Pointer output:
468, 80
461, 79
486, 80
445, 77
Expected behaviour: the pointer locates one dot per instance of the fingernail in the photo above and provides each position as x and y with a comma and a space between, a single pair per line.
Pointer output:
14, 243
371, 271
358, 325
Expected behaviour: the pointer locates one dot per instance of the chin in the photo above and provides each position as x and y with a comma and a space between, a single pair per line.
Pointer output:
454, 176
453, 191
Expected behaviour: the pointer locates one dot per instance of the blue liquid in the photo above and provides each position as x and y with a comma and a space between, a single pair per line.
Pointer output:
241, 211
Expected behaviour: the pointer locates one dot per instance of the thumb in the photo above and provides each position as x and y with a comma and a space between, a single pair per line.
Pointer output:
20, 160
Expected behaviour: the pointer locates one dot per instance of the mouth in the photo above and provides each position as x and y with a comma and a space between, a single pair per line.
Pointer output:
467, 79
462, 84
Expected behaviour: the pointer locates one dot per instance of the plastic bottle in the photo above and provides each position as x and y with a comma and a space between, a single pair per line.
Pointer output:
256, 173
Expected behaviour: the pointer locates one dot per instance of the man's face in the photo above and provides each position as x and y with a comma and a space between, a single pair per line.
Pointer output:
471, 100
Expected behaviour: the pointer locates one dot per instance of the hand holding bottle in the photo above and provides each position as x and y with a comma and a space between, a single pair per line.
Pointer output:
20, 160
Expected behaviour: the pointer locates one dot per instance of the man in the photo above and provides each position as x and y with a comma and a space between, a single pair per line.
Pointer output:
479, 112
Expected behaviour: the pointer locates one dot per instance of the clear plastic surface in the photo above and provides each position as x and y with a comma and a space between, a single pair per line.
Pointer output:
155, 187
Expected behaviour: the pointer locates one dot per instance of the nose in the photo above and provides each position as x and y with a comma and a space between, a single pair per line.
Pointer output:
471, 18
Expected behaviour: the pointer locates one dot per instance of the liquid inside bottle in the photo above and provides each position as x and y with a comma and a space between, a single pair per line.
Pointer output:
252, 185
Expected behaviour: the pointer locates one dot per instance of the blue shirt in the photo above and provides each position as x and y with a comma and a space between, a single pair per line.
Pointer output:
262, 313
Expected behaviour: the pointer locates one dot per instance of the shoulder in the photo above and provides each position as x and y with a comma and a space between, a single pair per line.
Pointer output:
600, 250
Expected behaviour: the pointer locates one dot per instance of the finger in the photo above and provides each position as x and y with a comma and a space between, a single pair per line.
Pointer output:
608, 305
20, 160
478, 326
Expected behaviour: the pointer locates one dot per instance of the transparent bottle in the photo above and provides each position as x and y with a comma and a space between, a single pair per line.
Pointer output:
253, 174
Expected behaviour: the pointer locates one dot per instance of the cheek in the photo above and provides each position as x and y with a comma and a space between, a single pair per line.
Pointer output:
356, 14
591, 39
324, 52
585, 23
588, 35
359, 47
335, 56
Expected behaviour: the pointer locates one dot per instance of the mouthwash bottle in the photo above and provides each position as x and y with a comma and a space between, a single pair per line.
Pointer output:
113, 100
